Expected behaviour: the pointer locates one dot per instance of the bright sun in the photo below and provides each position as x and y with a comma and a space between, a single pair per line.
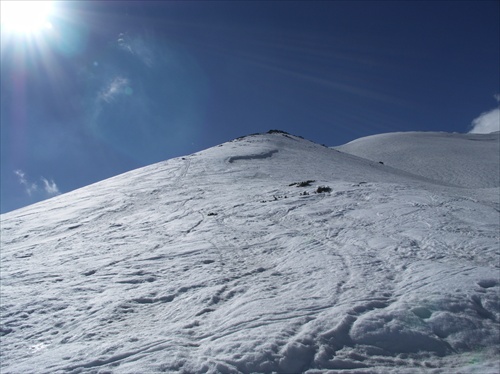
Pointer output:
25, 17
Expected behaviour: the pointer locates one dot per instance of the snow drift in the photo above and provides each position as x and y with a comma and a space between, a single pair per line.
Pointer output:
223, 261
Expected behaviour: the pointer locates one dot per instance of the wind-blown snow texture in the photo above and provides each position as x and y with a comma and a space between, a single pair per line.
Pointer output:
217, 262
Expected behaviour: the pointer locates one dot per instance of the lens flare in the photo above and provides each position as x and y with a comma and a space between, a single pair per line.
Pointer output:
25, 17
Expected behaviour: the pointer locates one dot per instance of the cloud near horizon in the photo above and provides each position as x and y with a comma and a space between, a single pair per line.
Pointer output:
47, 189
50, 187
487, 122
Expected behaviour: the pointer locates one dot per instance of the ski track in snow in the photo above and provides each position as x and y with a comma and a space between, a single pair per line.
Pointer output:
214, 263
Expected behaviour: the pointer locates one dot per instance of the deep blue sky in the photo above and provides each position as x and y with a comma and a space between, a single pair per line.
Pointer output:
117, 85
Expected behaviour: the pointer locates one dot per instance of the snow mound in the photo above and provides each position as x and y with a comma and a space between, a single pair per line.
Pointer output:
232, 260
466, 160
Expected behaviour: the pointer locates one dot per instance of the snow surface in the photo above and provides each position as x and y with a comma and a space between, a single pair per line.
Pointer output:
466, 160
218, 262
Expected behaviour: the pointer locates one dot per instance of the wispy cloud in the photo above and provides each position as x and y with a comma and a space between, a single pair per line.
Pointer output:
487, 122
29, 187
118, 86
47, 189
50, 187
138, 47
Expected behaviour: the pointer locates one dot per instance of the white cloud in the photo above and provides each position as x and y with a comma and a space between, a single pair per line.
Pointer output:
487, 122
50, 187
32, 189
29, 187
118, 86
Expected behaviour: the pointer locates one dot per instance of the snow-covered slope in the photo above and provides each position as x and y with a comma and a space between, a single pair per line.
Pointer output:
467, 160
221, 262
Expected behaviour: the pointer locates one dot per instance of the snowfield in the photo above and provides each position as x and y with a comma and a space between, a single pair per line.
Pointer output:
466, 160
224, 262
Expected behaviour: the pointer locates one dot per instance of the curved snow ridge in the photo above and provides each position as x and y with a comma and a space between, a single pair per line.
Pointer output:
257, 156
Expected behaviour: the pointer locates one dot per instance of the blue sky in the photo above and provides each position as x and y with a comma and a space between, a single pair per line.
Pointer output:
113, 86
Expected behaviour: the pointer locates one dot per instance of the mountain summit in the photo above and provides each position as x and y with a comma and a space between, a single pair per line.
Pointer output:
268, 253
